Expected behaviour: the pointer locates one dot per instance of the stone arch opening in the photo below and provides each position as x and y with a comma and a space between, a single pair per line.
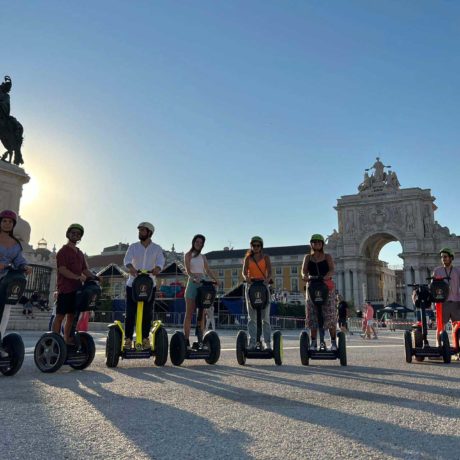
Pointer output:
382, 281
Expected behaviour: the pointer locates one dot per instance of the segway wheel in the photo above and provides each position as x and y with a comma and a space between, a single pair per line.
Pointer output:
113, 347
50, 352
278, 352
177, 348
13, 344
342, 349
211, 340
445, 347
304, 348
408, 346
417, 338
88, 347
241, 347
161, 347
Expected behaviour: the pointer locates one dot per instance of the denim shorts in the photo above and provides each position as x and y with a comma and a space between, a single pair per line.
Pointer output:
191, 289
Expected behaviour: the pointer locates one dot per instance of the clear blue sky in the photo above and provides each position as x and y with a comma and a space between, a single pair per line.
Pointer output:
228, 118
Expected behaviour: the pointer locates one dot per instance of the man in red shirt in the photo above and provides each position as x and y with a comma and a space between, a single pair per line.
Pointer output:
72, 272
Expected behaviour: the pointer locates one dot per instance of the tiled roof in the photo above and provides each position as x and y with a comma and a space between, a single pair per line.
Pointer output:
275, 251
102, 261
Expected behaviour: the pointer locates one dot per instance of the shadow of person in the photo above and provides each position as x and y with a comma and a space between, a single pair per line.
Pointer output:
128, 411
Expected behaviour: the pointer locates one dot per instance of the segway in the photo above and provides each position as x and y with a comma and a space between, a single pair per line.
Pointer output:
207, 346
12, 287
259, 299
51, 352
416, 341
319, 294
142, 291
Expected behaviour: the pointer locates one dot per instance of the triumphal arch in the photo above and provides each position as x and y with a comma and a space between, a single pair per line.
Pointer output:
381, 212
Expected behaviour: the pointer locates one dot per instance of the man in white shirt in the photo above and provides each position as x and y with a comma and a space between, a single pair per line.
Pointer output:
143, 255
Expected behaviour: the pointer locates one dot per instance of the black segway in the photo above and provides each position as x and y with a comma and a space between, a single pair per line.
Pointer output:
142, 291
51, 352
416, 341
259, 299
319, 294
207, 346
12, 287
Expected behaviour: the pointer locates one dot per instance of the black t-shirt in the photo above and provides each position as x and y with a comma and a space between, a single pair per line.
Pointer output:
342, 309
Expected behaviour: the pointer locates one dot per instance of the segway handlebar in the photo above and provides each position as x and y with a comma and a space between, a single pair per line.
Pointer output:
253, 280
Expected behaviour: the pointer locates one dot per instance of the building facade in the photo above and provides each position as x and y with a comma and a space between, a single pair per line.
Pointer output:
286, 262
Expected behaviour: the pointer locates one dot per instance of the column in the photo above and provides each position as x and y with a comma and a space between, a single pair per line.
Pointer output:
356, 287
408, 280
348, 294
340, 286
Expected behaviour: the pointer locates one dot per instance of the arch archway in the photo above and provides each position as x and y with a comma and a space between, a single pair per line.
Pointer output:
380, 213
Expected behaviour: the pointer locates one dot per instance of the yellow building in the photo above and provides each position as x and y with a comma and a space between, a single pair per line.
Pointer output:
286, 265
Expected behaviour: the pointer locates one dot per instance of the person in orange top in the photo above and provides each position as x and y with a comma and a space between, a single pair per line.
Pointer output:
257, 266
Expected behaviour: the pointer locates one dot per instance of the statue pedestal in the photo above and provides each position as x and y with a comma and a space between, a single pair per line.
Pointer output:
12, 179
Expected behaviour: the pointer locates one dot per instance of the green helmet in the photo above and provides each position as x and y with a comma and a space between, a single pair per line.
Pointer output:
447, 251
76, 227
317, 237
257, 239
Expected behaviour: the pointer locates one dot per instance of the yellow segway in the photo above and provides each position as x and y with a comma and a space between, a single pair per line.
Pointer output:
142, 291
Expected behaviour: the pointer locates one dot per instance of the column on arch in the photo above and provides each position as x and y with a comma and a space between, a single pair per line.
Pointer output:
356, 287
408, 280
348, 293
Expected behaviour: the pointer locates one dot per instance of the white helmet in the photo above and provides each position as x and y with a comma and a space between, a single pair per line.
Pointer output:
147, 225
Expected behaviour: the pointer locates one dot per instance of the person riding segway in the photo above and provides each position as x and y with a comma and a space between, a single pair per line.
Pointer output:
257, 276
444, 292
13, 266
144, 260
142, 292
199, 296
317, 270
78, 290
207, 346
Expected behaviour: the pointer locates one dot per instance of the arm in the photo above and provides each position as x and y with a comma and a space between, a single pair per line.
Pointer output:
127, 261
86, 270
159, 261
245, 269
268, 264
208, 271
64, 271
304, 270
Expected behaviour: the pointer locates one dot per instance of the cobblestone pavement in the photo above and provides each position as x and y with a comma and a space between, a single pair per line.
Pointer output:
376, 407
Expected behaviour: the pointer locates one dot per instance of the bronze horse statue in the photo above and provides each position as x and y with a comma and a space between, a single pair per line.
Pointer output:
11, 131
12, 137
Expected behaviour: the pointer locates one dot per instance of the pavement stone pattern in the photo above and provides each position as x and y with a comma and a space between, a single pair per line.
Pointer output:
376, 407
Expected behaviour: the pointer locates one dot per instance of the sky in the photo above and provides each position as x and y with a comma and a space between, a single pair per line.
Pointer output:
228, 118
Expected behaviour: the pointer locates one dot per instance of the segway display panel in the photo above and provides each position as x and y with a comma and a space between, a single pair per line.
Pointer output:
143, 288
258, 295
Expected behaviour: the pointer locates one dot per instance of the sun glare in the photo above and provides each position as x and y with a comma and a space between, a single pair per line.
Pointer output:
30, 192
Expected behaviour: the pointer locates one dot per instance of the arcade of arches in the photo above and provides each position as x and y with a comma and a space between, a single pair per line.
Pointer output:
379, 213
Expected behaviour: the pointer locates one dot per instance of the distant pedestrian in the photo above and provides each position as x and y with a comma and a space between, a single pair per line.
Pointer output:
368, 315
342, 314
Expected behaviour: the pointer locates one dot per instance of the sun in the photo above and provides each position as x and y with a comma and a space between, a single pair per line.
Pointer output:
30, 192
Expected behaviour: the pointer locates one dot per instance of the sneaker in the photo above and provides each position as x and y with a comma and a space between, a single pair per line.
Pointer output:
313, 346
252, 346
375, 337
146, 344
128, 344
333, 346
268, 346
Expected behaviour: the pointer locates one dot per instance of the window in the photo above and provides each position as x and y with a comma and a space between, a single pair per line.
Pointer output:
279, 284
234, 281
220, 272
279, 271
294, 270
235, 272
294, 285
